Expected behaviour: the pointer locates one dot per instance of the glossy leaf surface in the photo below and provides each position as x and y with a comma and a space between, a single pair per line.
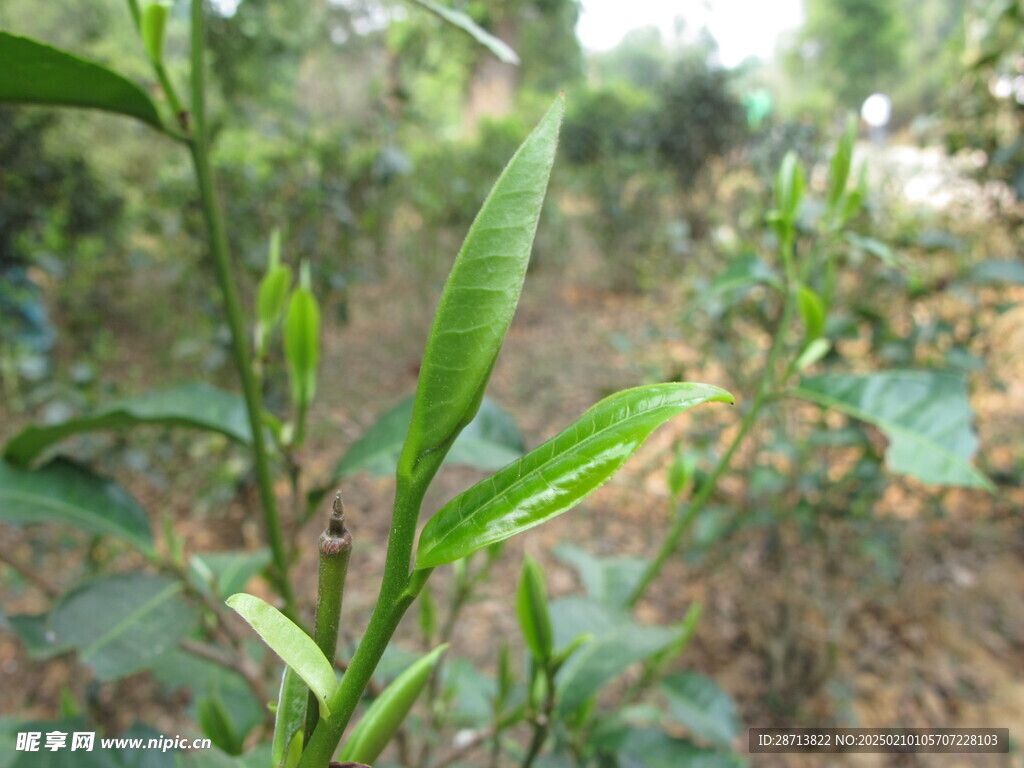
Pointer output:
64, 492
699, 704
925, 414
386, 714
464, 22
532, 610
490, 441
120, 624
291, 643
35, 73
480, 298
558, 474
195, 405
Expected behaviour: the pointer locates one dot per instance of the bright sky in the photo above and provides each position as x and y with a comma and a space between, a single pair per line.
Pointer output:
741, 27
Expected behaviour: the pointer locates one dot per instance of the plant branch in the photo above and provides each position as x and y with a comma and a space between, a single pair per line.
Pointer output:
765, 391
198, 145
29, 575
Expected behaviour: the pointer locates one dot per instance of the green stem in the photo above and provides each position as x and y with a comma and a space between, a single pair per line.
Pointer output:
764, 392
398, 590
542, 720
335, 549
198, 146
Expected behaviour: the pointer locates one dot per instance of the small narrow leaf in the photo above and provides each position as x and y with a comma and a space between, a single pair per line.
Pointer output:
557, 475
288, 641
812, 353
462, 21
812, 310
194, 405
215, 723
479, 300
925, 414
532, 610
289, 718
64, 492
154, 24
789, 188
35, 73
302, 344
839, 172
386, 714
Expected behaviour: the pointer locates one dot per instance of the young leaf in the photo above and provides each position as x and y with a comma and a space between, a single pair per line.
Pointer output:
215, 722
532, 609
288, 719
925, 414
67, 493
462, 21
839, 172
386, 714
812, 353
302, 341
479, 299
154, 23
558, 474
195, 405
35, 73
789, 188
288, 641
812, 310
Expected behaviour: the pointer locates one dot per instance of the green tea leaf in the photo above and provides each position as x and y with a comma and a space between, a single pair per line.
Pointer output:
652, 748
479, 300
925, 414
35, 634
386, 714
291, 643
64, 492
154, 23
699, 704
812, 310
789, 188
464, 22
609, 580
745, 271
121, 624
289, 719
812, 353
230, 571
35, 73
532, 610
616, 644
557, 475
839, 173
194, 405
490, 441
216, 725
302, 343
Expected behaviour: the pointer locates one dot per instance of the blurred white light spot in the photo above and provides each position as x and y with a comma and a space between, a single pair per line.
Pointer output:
877, 110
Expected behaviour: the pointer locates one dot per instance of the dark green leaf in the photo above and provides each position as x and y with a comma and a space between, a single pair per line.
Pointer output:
491, 441
36, 635
216, 725
704, 709
925, 414
650, 748
120, 624
618, 642
387, 712
610, 580
462, 21
532, 610
195, 405
35, 73
64, 492
291, 643
745, 271
557, 475
479, 300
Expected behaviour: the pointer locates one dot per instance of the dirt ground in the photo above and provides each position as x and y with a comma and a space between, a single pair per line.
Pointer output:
799, 633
